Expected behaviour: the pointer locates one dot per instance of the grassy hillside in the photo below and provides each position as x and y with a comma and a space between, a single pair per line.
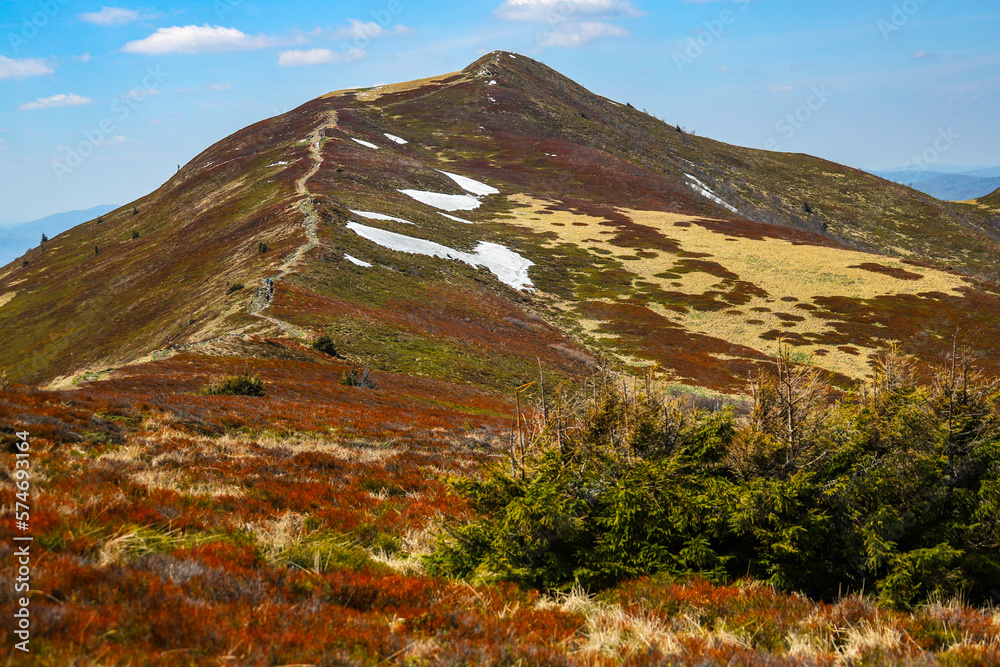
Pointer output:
172, 527
278, 200
991, 200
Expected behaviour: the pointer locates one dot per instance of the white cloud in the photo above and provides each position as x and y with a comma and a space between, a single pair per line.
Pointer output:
11, 68
724, 68
357, 30
555, 11
85, 58
780, 89
318, 56
110, 16
60, 100
198, 39
578, 34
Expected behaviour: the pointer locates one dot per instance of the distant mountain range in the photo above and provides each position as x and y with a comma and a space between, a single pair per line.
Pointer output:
15, 240
948, 186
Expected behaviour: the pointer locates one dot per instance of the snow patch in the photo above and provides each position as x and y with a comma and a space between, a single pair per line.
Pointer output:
355, 260
393, 137
367, 144
277, 164
380, 216
493, 82
470, 185
443, 201
508, 266
456, 218
704, 190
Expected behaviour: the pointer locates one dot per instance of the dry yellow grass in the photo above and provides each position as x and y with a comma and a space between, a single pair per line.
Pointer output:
372, 94
784, 270
6, 297
281, 534
169, 471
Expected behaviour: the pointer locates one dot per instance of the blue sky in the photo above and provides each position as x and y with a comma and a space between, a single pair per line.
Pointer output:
99, 103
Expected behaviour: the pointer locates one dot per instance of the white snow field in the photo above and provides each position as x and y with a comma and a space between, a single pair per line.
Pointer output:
704, 190
365, 143
393, 137
380, 216
508, 266
456, 218
470, 185
355, 260
442, 201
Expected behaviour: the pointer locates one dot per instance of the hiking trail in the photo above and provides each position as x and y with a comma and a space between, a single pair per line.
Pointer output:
310, 223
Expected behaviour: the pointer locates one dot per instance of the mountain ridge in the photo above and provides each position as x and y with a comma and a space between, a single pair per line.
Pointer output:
278, 198
17, 238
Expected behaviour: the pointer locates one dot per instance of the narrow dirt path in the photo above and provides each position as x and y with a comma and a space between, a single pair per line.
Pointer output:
262, 297
310, 223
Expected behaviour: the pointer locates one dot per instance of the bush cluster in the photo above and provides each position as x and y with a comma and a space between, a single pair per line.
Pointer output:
235, 385
894, 488
365, 380
325, 345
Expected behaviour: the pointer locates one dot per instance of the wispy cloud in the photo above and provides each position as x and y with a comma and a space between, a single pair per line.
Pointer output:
110, 16
573, 23
358, 30
555, 11
198, 39
60, 100
294, 58
780, 89
579, 34
18, 68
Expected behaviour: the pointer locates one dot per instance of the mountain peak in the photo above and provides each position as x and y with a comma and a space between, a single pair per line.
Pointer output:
468, 225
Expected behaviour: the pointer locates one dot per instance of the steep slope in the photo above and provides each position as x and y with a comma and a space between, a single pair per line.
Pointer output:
17, 239
481, 224
991, 200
